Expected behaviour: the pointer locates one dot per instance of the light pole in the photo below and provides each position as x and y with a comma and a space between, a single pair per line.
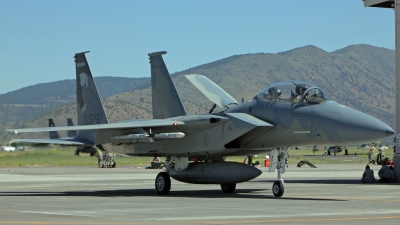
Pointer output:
393, 4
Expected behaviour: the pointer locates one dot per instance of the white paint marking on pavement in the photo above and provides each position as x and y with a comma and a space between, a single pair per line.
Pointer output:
54, 213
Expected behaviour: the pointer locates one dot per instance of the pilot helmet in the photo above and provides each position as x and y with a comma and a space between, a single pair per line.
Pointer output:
274, 92
300, 89
271, 92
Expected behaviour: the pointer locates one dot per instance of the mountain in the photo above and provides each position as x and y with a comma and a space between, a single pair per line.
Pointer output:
359, 76
36, 100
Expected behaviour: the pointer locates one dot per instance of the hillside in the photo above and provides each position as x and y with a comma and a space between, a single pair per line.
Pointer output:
36, 100
349, 75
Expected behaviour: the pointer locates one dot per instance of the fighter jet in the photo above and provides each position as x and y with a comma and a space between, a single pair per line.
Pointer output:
71, 133
85, 149
53, 134
283, 115
56, 135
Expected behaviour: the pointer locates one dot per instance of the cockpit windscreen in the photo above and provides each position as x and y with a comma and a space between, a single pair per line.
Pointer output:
294, 92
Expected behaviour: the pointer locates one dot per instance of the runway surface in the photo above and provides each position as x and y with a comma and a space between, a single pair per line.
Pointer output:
329, 194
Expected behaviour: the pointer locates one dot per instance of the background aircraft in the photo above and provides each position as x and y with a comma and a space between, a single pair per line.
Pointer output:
283, 115
72, 133
53, 134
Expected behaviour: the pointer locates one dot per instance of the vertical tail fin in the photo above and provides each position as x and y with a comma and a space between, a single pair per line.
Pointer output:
165, 99
71, 133
89, 107
53, 134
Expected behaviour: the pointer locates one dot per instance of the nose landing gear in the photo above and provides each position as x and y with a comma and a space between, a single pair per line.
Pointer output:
279, 160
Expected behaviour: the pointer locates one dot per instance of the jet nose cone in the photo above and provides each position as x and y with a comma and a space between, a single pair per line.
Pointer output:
389, 132
358, 127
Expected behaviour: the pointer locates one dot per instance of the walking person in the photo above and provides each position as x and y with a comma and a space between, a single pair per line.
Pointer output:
371, 154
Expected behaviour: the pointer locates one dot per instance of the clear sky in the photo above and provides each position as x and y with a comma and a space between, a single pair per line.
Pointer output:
39, 38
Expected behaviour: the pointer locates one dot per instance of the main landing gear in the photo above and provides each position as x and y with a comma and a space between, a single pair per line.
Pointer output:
163, 180
163, 183
228, 188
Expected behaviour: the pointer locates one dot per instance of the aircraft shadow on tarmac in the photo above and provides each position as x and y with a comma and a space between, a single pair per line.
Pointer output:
319, 181
336, 181
239, 193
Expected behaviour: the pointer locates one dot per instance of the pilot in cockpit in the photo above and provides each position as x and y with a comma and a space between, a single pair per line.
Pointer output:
274, 93
300, 89
278, 94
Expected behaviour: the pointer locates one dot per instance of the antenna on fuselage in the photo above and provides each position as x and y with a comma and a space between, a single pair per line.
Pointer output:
212, 108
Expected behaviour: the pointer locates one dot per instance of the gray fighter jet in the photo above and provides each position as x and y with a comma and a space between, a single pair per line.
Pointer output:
71, 133
53, 134
283, 115
56, 135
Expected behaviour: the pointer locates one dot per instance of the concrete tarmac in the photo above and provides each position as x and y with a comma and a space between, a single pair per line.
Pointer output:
329, 194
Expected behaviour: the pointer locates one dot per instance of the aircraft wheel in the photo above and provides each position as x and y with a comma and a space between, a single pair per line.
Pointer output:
76, 152
228, 188
278, 189
163, 183
114, 165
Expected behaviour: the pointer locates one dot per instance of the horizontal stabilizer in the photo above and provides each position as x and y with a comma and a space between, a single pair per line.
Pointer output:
211, 90
49, 141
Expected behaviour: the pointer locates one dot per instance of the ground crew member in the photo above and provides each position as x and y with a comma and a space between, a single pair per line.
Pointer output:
371, 153
381, 155
368, 176
253, 160
385, 173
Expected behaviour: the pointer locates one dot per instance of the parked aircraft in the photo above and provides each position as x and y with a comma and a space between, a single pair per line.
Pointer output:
283, 115
72, 133
53, 134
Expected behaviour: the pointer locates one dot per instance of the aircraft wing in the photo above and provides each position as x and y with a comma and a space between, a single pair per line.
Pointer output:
111, 126
211, 90
50, 141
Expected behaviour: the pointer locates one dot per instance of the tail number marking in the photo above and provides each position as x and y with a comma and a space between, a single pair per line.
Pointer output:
91, 119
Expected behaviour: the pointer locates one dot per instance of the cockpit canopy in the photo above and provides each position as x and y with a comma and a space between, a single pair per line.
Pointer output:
293, 91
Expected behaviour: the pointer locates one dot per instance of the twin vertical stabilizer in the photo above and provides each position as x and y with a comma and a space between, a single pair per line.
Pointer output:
89, 108
166, 102
53, 134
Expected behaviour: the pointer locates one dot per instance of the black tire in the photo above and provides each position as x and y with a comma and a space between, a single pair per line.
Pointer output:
228, 188
92, 154
114, 164
163, 183
278, 189
77, 152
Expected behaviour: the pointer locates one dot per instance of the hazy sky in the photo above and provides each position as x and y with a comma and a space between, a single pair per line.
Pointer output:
38, 39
